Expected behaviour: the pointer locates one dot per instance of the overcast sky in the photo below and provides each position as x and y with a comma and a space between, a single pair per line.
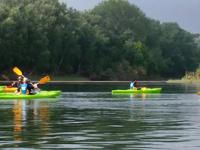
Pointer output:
184, 12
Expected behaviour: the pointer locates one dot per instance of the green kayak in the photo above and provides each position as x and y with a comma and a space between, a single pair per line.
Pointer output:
42, 94
137, 91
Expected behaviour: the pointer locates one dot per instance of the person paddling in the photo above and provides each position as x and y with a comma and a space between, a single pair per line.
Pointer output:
22, 88
131, 85
13, 84
134, 84
32, 88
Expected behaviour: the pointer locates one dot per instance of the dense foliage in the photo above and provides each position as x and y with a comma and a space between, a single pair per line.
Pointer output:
115, 40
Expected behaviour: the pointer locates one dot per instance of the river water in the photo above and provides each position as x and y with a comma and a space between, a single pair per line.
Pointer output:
88, 116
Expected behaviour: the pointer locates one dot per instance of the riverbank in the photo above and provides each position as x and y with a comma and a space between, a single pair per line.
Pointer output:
183, 81
69, 78
81, 79
89, 82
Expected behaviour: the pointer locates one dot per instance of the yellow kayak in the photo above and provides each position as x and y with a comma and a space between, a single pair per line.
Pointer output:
5, 89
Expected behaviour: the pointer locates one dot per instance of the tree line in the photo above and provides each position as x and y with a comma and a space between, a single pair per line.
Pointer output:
113, 41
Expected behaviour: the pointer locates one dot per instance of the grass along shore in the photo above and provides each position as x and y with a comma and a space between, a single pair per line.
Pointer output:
183, 81
189, 77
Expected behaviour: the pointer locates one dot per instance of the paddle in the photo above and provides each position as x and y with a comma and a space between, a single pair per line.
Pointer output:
41, 81
17, 71
44, 80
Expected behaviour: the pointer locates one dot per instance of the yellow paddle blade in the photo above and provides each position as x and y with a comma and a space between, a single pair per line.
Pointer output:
44, 80
17, 71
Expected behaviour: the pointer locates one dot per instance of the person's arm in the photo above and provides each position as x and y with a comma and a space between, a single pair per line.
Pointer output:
18, 89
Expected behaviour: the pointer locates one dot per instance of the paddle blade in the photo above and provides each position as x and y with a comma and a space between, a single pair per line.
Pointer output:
44, 80
17, 71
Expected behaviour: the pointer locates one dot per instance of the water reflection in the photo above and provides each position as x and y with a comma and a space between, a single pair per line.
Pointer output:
100, 120
43, 116
145, 96
17, 120
27, 114
142, 96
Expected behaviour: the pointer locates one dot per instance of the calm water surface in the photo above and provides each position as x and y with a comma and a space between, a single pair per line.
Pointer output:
88, 116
